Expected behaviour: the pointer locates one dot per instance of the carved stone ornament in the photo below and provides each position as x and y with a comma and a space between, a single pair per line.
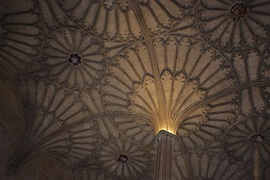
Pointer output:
135, 89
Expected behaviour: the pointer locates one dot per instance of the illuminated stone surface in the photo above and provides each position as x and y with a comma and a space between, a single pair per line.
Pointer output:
86, 81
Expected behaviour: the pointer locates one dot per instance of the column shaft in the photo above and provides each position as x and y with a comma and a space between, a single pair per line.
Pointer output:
165, 142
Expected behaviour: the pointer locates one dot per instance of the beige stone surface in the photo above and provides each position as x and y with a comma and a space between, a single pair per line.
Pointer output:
85, 81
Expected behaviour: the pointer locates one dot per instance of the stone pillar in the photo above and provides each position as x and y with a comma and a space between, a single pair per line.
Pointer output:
257, 168
165, 142
257, 140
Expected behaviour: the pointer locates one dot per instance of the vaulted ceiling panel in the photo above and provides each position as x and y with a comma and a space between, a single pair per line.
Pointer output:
95, 81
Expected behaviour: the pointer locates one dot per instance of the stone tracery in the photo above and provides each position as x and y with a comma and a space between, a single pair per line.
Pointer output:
115, 70
233, 26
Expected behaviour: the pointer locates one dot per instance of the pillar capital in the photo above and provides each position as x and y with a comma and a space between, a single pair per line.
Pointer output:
164, 134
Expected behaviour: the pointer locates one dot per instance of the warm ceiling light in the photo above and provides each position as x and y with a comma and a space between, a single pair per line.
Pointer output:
169, 130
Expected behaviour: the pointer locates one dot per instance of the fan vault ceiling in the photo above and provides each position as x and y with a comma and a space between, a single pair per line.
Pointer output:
87, 84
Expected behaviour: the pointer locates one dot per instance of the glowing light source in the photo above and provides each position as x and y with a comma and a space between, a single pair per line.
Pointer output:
168, 130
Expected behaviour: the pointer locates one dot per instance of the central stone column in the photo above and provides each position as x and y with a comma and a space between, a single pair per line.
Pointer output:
165, 142
257, 140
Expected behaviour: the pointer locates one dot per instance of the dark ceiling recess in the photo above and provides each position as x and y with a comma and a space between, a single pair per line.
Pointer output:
74, 59
257, 138
238, 11
123, 158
